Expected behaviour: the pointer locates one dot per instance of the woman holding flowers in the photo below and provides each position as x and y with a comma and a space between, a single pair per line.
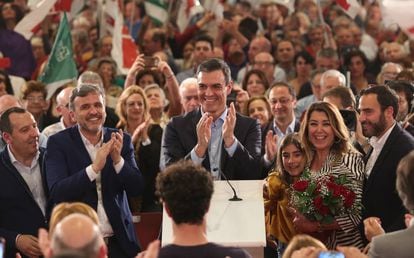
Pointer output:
291, 161
338, 170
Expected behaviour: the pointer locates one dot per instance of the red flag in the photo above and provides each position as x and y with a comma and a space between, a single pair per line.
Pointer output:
350, 7
129, 49
63, 5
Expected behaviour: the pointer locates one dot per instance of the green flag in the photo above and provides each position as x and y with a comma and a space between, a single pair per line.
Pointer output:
60, 68
157, 10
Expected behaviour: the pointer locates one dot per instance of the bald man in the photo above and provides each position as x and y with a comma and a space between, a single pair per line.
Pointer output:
78, 233
189, 95
6, 102
62, 107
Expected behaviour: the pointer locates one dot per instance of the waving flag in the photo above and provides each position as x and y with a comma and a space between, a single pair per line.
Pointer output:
350, 7
60, 68
124, 50
31, 22
187, 9
399, 12
157, 10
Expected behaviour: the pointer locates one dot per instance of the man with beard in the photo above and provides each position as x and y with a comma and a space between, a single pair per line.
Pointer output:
95, 165
379, 107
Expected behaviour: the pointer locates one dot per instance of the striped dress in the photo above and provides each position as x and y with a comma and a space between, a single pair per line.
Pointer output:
352, 165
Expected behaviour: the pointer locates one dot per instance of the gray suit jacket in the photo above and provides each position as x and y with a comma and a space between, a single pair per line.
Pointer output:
395, 244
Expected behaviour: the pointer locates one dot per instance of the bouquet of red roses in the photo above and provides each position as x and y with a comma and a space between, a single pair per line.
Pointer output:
322, 197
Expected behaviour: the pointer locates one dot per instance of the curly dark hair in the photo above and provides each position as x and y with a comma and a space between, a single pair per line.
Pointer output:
186, 190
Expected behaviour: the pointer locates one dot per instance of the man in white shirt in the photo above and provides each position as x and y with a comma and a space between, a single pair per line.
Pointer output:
379, 107
23, 189
62, 107
95, 165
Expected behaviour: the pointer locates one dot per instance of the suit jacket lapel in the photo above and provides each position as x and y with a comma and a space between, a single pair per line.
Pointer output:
77, 139
13, 171
389, 144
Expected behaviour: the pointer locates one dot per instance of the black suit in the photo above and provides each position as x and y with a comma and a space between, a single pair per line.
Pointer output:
19, 212
180, 137
380, 198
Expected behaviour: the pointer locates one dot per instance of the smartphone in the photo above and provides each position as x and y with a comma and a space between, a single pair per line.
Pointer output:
350, 119
150, 61
2, 247
331, 254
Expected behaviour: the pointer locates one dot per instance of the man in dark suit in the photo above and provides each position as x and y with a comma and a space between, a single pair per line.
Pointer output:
379, 107
282, 98
23, 190
95, 165
214, 135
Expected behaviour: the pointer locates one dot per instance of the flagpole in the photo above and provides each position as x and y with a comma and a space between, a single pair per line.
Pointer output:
170, 6
325, 34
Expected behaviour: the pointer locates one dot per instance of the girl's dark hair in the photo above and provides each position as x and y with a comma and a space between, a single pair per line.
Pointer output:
292, 138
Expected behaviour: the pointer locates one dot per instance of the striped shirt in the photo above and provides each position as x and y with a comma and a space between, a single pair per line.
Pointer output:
352, 165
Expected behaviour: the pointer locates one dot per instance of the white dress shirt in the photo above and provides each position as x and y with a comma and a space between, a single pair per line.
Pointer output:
33, 178
104, 225
377, 145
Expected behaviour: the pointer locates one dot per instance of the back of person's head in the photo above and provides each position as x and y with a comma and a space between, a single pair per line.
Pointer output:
92, 78
345, 96
186, 190
300, 241
336, 74
64, 209
405, 181
79, 233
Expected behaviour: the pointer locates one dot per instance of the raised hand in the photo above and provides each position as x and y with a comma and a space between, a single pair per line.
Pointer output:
28, 245
117, 139
203, 134
228, 126
271, 146
141, 132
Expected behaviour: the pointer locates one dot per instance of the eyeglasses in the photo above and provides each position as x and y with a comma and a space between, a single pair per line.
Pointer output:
266, 63
281, 101
33, 99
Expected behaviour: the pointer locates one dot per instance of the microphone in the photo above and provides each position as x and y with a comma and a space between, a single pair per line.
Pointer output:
235, 198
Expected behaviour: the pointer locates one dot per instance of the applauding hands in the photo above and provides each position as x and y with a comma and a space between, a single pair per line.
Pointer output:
113, 147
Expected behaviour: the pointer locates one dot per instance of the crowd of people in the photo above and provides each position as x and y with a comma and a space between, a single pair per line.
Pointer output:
268, 92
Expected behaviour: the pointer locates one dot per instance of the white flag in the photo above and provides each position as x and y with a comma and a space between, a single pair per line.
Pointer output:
32, 20
187, 9
399, 12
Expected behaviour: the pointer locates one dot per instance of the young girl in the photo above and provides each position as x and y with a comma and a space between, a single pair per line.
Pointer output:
291, 161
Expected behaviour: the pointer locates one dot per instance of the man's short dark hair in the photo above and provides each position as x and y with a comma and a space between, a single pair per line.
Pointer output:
286, 85
403, 86
386, 97
5, 123
186, 190
344, 94
82, 91
215, 64
204, 38
405, 181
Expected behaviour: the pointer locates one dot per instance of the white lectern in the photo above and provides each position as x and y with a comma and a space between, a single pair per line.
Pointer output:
233, 223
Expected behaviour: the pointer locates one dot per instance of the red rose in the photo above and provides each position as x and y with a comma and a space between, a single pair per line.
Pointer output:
318, 202
301, 186
349, 199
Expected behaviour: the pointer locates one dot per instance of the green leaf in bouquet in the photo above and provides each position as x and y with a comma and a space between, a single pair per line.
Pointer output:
318, 216
311, 188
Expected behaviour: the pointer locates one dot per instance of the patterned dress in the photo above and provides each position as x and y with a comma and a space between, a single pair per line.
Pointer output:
352, 165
